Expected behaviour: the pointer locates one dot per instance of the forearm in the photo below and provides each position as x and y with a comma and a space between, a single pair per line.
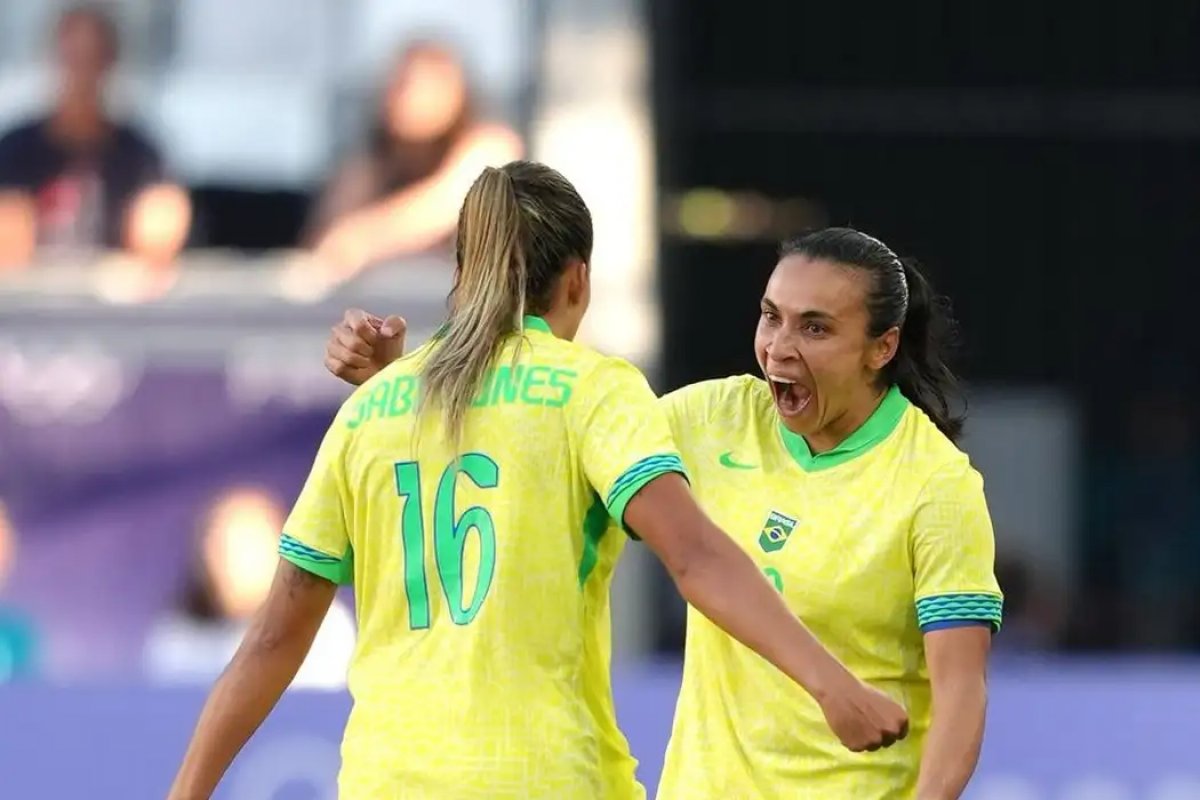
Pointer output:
408, 221
725, 585
954, 740
18, 229
242, 698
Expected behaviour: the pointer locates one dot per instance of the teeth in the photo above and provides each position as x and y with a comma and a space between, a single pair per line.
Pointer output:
777, 379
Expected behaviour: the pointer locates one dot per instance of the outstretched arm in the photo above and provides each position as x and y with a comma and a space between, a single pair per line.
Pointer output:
273, 650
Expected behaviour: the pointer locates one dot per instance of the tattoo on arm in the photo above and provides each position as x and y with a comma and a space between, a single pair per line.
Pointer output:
299, 580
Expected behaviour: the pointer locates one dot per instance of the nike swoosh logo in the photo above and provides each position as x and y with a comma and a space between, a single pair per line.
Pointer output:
727, 461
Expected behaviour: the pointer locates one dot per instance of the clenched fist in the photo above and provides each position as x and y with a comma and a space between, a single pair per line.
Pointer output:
362, 344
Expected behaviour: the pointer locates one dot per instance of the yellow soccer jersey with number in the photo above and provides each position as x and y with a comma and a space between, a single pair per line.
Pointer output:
481, 577
871, 544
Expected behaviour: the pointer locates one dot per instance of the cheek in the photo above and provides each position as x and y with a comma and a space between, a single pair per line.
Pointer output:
831, 362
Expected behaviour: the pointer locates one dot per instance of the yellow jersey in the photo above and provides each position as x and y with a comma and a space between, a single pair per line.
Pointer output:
481, 577
871, 543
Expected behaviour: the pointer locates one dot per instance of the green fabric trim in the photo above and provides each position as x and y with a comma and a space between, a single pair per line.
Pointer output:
961, 607
595, 523
334, 570
533, 323
879, 426
633, 479
530, 323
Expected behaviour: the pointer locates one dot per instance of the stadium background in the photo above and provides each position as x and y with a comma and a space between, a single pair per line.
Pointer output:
1040, 158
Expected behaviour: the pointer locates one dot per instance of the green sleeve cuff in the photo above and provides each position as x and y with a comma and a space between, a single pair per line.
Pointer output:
331, 568
633, 479
936, 610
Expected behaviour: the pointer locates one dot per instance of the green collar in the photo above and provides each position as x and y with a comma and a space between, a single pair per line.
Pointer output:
533, 323
879, 425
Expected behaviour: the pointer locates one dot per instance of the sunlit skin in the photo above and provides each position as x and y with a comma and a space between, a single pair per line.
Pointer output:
239, 550
813, 332
425, 95
7, 545
86, 56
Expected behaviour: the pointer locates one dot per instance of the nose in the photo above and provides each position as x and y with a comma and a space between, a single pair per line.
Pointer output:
783, 347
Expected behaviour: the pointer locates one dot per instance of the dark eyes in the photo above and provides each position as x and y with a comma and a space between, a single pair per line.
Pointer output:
812, 327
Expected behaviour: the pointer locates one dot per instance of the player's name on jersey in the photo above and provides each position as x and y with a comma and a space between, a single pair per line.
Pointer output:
528, 384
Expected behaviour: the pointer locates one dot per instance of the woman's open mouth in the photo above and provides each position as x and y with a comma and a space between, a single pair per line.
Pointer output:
791, 398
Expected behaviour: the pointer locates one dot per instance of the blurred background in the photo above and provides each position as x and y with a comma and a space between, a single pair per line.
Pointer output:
192, 191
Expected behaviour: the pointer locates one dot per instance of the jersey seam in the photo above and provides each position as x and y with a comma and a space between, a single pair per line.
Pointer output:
921, 499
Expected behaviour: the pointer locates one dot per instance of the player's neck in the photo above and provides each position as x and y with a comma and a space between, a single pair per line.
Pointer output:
839, 430
563, 325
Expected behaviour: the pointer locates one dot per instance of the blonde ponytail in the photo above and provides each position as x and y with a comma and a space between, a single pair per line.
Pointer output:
488, 301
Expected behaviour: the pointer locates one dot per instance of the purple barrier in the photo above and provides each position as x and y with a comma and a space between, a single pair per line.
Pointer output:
1056, 732
108, 469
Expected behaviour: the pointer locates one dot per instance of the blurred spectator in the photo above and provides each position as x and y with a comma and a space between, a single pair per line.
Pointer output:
230, 579
17, 640
1032, 615
77, 179
1144, 538
402, 192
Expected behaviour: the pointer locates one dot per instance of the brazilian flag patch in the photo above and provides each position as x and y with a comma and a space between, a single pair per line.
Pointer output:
776, 531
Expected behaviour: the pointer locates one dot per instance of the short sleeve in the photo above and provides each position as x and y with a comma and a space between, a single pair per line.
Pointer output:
316, 535
621, 433
954, 553
675, 408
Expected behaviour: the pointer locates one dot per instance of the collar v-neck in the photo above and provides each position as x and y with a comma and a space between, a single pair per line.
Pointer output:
878, 426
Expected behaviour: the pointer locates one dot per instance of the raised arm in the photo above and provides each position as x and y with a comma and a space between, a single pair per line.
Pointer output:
362, 344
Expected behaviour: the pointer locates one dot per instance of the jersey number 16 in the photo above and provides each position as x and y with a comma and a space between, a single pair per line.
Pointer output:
449, 538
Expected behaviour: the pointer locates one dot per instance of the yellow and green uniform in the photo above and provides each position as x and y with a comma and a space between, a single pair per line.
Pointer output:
872, 544
481, 576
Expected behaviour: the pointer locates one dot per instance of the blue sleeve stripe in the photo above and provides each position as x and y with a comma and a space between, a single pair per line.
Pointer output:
963, 607
290, 546
955, 623
651, 465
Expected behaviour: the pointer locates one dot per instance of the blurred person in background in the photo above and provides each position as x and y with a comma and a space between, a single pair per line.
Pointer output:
17, 635
401, 193
1143, 538
1033, 613
78, 180
228, 582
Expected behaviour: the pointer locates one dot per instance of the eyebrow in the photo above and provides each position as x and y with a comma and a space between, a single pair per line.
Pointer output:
810, 314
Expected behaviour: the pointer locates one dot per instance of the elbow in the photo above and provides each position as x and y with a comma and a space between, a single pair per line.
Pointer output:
269, 639
692, 567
